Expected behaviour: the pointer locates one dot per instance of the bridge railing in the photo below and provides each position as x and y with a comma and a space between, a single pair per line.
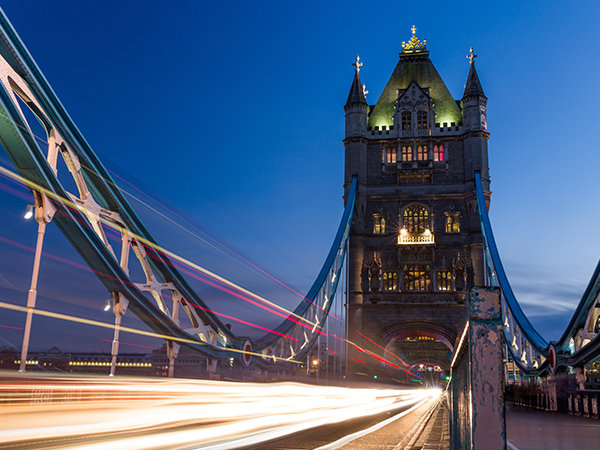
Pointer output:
476, 385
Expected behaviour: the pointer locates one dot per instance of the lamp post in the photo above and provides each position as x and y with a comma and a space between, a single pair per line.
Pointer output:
44, 211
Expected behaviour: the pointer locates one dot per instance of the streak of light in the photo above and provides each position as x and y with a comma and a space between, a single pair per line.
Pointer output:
156, 247
385, 350
202, 232
135, 413
124, 329
239, 320
110, 182
8, 326
352, 437
16, 193
374, 355
81, 266
359, 360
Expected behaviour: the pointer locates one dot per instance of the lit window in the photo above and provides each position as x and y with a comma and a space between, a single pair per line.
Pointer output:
379, 225
416, 277
416, 219
406, 120
390, 156
452, 223
421, 120
407, 154
390, 281
438, 153
422, 153
444, 280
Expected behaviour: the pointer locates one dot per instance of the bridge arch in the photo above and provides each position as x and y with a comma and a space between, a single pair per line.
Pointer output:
410, 329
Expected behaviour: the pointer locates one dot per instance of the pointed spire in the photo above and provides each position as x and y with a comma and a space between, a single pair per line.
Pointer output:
357, 91
473, 86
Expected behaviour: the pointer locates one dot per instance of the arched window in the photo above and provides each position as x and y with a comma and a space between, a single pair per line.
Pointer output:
379, 225
422, 153
390, 281
390, 156
415, 219
406, 120
407, 154
421, 120
452, 223
438, 153
416, 277
444, 280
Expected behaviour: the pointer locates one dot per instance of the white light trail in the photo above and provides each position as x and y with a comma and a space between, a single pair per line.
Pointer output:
136, 413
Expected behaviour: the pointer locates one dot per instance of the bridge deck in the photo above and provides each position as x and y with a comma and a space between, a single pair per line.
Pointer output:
531, 429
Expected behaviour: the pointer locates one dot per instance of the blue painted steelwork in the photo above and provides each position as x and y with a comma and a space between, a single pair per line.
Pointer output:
209, 336
579, 344
495, 270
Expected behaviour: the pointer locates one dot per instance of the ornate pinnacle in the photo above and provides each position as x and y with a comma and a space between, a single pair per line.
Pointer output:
471, 56
414, 45
357, 64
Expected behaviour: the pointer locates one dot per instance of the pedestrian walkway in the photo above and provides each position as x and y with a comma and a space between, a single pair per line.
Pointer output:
532, 429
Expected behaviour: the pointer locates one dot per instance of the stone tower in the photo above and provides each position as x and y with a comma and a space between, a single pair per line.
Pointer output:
415, 244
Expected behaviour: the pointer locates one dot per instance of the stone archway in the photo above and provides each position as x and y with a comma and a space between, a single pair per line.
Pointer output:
420, 342
403, 330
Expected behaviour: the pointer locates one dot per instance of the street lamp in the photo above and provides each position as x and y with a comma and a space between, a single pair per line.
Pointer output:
29, 212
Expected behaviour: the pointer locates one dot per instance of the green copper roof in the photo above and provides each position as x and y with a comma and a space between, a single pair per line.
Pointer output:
415, 67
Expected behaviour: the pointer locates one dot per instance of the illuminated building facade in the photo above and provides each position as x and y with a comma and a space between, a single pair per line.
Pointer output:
415, 244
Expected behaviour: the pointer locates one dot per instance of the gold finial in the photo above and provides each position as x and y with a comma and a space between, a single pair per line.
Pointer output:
365, 90
357, 64
471, 56
414, 45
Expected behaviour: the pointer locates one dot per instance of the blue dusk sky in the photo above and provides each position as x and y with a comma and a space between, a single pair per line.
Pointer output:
231, 115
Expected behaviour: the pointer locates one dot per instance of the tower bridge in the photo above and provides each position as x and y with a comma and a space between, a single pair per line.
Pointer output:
426, 290
416, 244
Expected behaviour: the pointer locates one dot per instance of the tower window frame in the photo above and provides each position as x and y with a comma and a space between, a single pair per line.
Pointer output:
379, 224
443, 280
407, 120
407, 153
452, 222
438, 153
389, 155
422, 121
417, 277
422, 154
416, 218
390, 280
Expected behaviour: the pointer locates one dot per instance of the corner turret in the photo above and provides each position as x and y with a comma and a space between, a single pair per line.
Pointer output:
474, 106
356, 107
357, 110
474, 101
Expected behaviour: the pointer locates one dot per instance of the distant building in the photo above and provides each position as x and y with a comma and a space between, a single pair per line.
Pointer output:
187, 365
